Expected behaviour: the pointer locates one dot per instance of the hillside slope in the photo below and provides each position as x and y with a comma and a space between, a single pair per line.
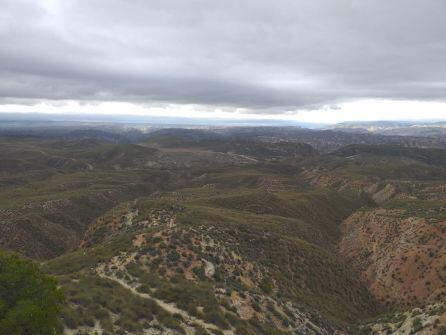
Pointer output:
230, 235
241, 263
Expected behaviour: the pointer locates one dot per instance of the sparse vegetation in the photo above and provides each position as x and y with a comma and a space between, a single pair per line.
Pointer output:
242, 237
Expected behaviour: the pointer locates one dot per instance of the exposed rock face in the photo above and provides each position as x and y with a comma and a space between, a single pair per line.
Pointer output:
332, 180
401, 259
386, 193
379, 192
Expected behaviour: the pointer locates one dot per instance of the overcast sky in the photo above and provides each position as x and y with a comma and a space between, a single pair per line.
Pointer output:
318, 60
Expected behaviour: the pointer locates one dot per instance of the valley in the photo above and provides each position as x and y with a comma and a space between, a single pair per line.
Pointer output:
233, 231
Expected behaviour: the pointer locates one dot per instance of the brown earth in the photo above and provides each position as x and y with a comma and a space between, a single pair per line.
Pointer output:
401, 260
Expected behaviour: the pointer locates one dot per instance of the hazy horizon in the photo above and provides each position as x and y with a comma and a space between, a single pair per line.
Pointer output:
55, 119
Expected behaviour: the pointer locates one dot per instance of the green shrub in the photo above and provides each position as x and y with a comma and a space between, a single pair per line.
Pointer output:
266, 286
29, 300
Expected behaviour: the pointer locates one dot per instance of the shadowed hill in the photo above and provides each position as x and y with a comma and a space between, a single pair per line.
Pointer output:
427, 156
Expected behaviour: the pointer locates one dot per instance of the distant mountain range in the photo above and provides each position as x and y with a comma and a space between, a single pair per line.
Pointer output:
402, 128
32, 119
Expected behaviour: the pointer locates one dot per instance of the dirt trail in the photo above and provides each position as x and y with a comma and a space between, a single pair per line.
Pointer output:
119, 263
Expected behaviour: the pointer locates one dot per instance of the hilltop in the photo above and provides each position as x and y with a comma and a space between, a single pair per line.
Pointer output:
230, 231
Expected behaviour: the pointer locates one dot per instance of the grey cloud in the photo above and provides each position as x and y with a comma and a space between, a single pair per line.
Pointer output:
256, 54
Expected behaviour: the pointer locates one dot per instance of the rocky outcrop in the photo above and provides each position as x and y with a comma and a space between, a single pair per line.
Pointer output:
380, 192
401, 259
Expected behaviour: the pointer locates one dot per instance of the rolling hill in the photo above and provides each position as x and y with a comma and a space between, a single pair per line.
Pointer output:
207, 232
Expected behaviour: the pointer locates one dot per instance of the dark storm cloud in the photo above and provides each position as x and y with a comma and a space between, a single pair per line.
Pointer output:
256, 54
